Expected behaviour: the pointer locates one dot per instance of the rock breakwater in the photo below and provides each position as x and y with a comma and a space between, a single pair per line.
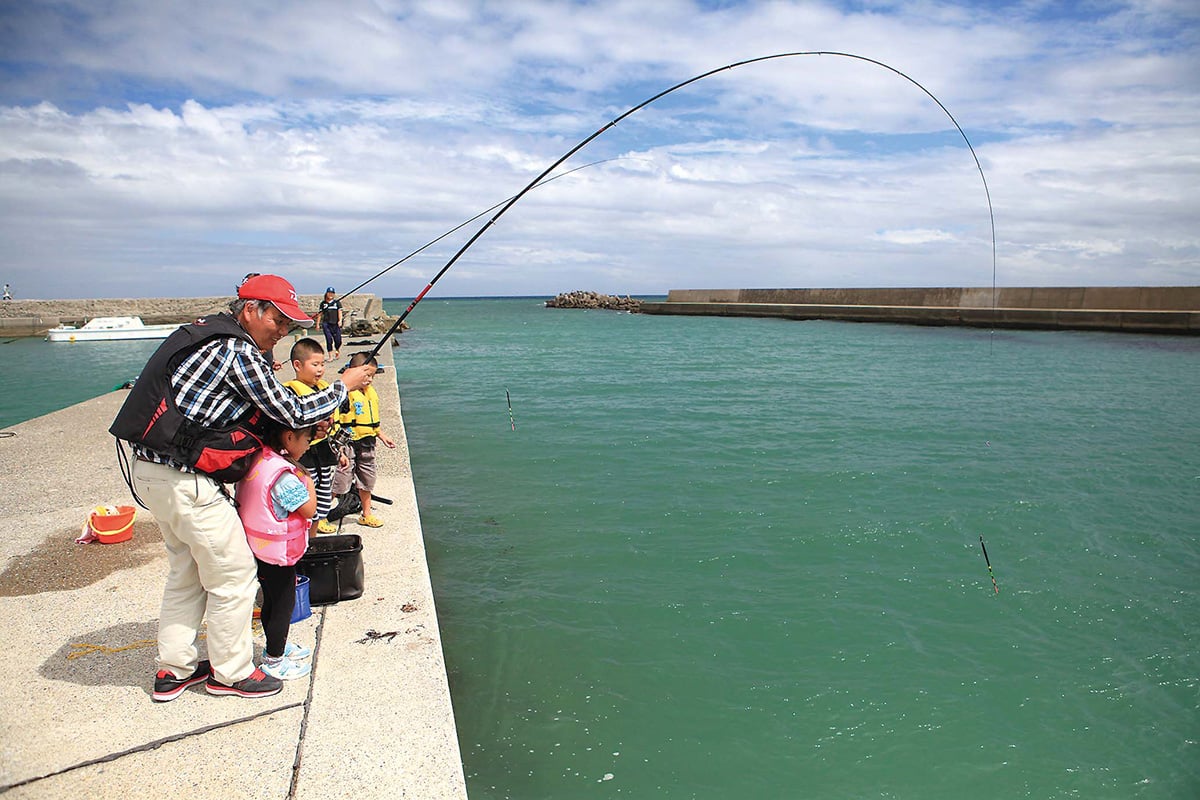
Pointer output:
582, 299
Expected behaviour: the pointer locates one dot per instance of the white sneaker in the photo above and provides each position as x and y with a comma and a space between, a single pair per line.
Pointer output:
296, 652
284, 668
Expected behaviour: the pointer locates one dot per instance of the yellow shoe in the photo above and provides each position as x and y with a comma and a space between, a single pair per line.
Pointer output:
325, 526
371, 521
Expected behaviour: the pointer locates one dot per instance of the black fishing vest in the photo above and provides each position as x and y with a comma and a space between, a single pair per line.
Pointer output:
150, 417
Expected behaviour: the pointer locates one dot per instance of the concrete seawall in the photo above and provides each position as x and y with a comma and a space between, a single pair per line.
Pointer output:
374, 719
1130, 309
35, 317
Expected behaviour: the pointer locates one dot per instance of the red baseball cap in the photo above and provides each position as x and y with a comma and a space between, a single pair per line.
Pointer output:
279, 293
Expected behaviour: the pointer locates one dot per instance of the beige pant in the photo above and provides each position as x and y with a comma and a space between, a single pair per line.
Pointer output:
211, 569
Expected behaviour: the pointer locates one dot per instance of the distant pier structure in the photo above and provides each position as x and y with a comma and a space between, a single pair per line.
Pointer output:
35, 317
1127, 309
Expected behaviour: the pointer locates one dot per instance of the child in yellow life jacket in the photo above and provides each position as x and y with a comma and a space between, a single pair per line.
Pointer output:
360, 416
321, 460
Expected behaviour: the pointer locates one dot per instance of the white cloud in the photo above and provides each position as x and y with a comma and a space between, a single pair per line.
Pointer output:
915, 236
168, 148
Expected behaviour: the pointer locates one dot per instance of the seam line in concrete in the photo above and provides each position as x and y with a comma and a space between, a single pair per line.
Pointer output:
148, 746
312, 682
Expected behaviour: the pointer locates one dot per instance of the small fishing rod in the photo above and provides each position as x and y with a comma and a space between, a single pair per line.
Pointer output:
511, 420
588, 140
465, 223
988, 561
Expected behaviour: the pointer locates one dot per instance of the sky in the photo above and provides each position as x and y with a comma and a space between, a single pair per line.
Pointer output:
161, 148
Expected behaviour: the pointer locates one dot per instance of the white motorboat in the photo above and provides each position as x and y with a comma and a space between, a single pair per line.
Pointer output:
108, 329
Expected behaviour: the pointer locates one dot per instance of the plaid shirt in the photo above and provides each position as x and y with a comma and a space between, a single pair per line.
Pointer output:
225, 378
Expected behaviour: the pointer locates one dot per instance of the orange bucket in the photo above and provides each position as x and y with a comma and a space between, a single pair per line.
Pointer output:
112, 528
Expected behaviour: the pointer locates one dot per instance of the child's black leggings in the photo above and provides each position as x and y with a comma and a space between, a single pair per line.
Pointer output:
279, 599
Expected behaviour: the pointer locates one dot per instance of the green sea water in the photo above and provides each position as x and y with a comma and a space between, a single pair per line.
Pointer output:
37, 377
740, 557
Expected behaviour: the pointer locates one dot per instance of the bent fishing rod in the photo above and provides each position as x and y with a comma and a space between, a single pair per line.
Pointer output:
589, 139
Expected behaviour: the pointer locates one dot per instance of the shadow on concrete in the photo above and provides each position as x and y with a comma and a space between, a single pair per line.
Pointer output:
119, 655
58, 564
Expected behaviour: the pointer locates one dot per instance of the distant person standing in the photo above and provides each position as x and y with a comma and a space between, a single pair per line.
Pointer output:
331, 322
7, 292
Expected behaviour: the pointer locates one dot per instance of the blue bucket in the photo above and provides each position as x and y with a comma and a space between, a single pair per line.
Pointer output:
302, 609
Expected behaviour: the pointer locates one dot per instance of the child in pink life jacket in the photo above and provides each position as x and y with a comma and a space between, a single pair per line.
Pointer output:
275, 501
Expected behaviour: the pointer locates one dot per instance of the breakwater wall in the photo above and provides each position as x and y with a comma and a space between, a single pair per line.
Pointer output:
35, 317
1132, 309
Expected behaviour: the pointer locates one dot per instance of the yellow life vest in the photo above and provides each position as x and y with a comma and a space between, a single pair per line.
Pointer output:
301, 389
362, 418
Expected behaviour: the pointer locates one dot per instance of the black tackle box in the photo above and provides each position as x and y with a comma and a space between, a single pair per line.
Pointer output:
334, 567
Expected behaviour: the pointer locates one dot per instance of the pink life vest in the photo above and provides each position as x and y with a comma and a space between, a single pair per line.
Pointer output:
273, 540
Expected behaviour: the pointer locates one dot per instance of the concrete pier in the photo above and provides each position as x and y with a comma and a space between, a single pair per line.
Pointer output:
373, 720
35, 317
1127, 309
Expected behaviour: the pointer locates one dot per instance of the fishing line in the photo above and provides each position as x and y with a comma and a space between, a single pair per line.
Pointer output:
465, 223
588, 140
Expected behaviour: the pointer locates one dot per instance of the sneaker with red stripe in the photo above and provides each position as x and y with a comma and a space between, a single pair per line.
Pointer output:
257, 684
168, 687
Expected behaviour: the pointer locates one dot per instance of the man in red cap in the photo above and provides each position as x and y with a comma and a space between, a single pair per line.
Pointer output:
191, 418
279, 293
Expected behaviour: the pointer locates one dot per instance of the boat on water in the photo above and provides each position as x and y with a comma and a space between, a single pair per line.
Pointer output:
108, 329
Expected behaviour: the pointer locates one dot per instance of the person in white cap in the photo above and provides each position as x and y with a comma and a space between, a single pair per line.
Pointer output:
192, 419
